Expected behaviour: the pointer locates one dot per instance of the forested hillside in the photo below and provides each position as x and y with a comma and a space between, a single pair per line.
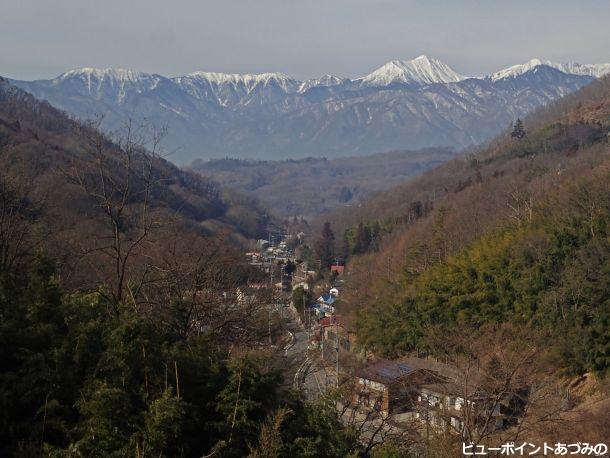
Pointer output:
120, 331
308, 187
40, 142
516, 233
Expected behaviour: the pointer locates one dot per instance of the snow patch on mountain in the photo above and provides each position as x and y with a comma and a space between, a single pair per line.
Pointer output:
247, 80
594, 70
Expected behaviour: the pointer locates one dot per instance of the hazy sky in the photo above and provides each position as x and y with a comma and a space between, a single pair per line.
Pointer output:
306, 38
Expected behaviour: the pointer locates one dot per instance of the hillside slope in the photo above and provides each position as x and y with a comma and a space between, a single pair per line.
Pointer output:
107, 210
41, 144
516, 233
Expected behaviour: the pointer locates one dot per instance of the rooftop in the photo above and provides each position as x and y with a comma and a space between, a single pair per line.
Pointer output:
385, 372
331, 321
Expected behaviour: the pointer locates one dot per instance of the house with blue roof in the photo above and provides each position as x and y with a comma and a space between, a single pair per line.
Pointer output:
322, 309
327, 299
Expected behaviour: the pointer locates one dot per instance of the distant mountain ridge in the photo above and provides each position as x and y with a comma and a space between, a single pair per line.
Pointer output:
573, 68
410, 104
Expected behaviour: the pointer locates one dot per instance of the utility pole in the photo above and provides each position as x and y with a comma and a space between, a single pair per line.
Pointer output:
271, 305
269, 318
337, 338
306, 323
309, 323
322, 340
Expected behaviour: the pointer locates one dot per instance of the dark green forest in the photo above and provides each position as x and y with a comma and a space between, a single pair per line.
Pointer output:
551, 273
76, 381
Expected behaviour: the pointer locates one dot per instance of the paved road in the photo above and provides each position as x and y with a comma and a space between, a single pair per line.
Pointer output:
298, 348
307, 376
313, 382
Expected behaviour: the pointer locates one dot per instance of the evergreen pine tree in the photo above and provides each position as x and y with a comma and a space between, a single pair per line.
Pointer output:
346, 249
518, 130
360, 242
325, 246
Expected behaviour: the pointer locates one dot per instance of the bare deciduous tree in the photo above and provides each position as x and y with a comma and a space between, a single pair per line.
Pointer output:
20, 210
119, 181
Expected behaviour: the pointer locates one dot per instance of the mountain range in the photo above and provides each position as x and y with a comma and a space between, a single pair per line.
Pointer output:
404, 104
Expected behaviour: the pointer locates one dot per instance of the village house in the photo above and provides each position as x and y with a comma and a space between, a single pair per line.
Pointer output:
436, 394
337, 270
332, 326
447, 406
324, 305
254, 258
383, 386
253, 292
262, 244
327, 298
439, 406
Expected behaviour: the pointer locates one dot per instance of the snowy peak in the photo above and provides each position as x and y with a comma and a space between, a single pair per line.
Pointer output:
105, 73
418, 71
114, 83
110, 77
594, 70
519, 69
233, 89
246, 80
272, 115
572, 68
324, 81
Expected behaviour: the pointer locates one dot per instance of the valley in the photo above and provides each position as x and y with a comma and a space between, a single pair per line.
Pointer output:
209, 250
306, 188
417, 271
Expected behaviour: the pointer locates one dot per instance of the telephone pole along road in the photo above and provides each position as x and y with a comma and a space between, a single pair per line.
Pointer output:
308, 377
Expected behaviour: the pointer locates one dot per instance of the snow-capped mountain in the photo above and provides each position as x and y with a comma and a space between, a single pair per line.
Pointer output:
107, 82
235, 89
401, 105
246, 80
325, 81
95, 76
572, 68
594, 70
418, 71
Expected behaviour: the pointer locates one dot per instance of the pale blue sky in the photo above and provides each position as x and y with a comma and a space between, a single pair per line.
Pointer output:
306, 38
